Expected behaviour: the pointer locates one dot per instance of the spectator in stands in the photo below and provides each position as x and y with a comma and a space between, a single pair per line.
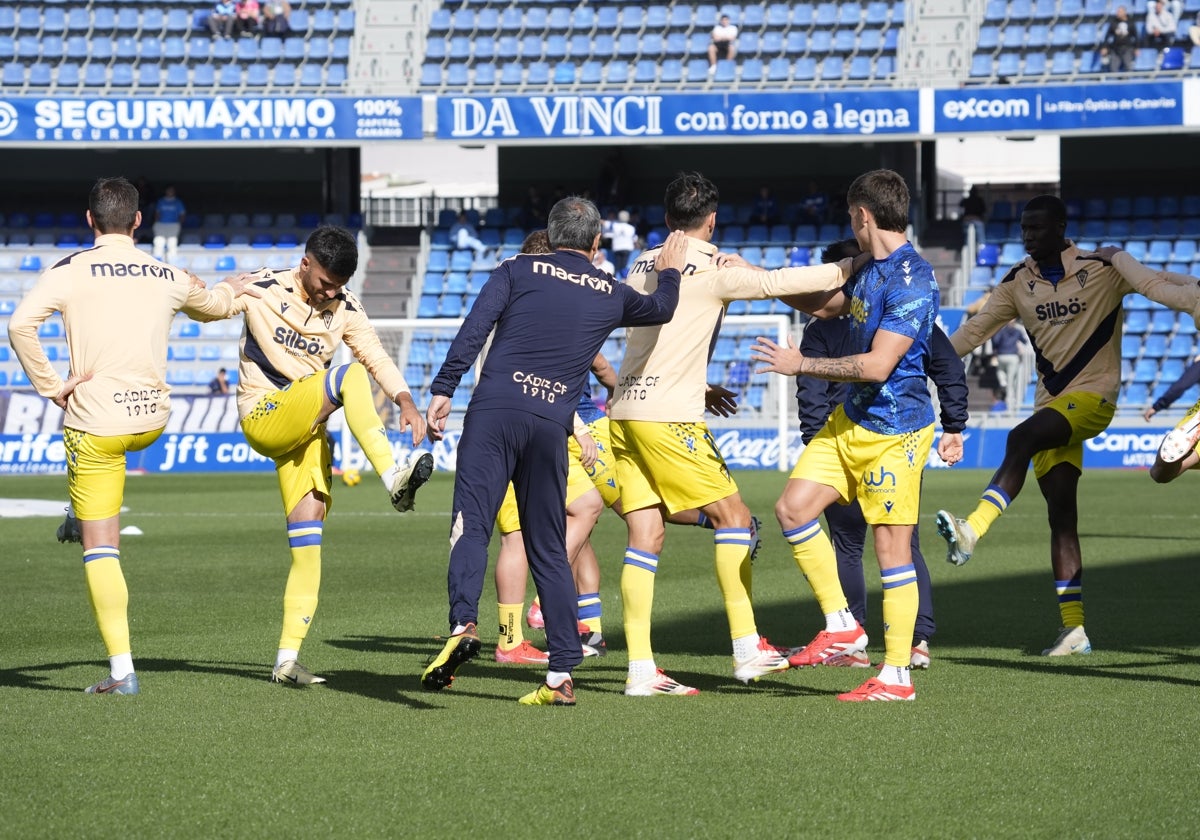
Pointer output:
1119, 46
624, 240
463, 235
1160, 26
601, 261
1009, 345
814, 207
275, 14
222, 18
168, 221
723, 44
248, 17
1186, 380
766, 210
219, 384
1194, 31
974, 211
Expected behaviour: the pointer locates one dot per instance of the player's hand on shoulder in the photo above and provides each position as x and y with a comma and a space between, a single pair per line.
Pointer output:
243, 284
720, 401
731, 260
853, 265
673, 253
197, 283
1106, 253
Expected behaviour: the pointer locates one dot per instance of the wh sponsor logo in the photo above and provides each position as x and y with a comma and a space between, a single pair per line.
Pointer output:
871, 480
975, 108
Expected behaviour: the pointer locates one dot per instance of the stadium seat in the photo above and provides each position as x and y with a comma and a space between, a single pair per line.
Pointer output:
13, 74
311, 75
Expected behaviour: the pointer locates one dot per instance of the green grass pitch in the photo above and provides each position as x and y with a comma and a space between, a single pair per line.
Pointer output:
1000, 742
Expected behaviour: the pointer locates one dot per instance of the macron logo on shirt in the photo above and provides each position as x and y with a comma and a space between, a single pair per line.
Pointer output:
598, 283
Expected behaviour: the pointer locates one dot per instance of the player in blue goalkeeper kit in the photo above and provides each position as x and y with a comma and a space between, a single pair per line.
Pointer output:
546, 336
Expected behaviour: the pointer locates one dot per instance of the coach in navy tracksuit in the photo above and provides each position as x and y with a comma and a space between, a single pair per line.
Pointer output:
818, 397
551, 314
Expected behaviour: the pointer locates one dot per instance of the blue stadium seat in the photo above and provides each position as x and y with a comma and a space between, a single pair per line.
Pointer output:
645, 72
617, 73
204, 76
511, 73
148, 75
821, 41
996, 11
564, 73
981, 66
1146, 60
1038, 37
989, 38
179, 21
752, 71
13, 74
177, 75
153, 20
1063, 64
583, 18
318, 50
826, 15
431, 75
1062, 35
67, 75
484, 75
796, 42
1035, 64
282, 75
323, 22
311, 75
230, 75
439, 21
805, 69
697, 71
779, 15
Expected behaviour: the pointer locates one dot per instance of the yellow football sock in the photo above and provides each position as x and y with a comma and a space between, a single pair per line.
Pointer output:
992, 504
353, 389
900, 598
1070, 600
109, 596
637, 591
303, 583
732, 555
511, 635
814, 555
589, 611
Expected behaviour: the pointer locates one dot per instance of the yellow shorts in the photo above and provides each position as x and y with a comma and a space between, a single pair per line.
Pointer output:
1089, 415
676, 465
882, 471
603, 474
96, 470
281, 427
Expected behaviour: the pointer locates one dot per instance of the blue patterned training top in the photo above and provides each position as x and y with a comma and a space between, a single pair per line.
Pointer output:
900, 295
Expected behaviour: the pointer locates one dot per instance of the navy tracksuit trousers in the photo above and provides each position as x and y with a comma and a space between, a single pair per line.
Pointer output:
496, 446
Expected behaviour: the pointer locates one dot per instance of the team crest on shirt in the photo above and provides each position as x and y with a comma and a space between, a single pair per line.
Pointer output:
1032, 286
1083, 277
327, 317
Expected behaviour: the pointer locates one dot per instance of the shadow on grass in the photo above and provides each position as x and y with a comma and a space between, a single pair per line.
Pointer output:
1014, 613
1079, 666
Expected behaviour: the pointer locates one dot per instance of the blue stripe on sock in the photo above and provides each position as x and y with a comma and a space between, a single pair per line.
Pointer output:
100, 552
997, 497
641, 559
589, 606
803, 533
732, 536
302, 533
899, 576
333, 384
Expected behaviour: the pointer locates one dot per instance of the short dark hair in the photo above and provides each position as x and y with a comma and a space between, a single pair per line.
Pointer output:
574, 222
335, 249
113, 203
537, 242
1051, 205
843, 249
885, 194
689, 199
